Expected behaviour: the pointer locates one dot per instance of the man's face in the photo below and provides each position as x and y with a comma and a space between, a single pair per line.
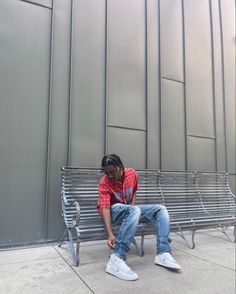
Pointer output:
114, 173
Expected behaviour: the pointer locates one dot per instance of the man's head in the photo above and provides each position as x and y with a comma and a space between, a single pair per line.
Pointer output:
113, 167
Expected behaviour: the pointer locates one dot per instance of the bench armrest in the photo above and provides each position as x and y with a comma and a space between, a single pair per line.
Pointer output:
76, 220
65, 200
76, 217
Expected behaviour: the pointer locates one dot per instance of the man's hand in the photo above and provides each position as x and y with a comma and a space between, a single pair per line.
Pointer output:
111, 241
106, 214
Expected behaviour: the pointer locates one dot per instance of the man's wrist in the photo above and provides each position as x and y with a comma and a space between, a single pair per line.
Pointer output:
110, 234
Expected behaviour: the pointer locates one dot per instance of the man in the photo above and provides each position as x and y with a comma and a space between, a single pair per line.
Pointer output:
116, 204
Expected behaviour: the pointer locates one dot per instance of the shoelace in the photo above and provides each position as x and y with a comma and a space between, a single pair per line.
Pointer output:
168, 257
121, 264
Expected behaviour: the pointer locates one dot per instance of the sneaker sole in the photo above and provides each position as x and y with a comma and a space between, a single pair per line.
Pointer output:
168, 266
120, 277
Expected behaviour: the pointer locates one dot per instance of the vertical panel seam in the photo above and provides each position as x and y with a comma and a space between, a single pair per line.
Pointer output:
159, 79
49, 124
70, 87
146, 85
213, 82
106, 76
185, 85
223, 83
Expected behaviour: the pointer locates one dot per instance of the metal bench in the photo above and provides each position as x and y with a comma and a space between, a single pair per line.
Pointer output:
179, 191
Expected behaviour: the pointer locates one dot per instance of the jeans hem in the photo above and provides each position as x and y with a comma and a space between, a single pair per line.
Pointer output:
163, 251
120, 256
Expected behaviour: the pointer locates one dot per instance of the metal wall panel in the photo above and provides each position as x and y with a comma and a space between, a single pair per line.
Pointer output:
171, 28
24, 84
130, 145
229, 41
218, 87
200, 118
59, 122
88, 83
126, 88
172, 126
201, 154
112, 62
153, 87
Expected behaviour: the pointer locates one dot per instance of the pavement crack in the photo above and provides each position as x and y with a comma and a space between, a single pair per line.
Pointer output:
71, 267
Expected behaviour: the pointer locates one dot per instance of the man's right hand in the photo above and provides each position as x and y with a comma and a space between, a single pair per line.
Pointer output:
111, 241
106, 214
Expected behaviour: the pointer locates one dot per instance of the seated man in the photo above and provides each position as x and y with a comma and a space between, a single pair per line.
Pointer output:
116, 204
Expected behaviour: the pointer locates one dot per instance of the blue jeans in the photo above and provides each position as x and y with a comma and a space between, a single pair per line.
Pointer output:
128, 216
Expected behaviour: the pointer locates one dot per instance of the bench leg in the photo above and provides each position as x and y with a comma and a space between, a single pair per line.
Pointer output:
181, 234
142, 244
63, 238
71, 245
193, 239
139, 251
223, 230
77, 259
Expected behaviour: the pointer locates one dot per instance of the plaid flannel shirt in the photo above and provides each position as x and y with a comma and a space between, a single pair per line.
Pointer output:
111, 192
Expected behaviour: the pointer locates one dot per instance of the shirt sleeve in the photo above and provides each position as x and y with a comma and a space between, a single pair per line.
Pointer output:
135, 188
104, 197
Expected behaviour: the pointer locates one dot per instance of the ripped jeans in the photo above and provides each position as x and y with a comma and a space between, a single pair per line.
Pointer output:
128, 216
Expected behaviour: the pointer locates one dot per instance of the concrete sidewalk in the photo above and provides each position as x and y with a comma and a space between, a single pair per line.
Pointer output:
209, 268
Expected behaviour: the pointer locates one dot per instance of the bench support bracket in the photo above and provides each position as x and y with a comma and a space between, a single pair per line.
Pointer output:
224, 231
181, 234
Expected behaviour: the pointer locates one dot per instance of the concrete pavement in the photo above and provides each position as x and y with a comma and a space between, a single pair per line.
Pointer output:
207, 269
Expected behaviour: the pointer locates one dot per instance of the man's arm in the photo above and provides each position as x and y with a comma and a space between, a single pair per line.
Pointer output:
133, 202
106, 214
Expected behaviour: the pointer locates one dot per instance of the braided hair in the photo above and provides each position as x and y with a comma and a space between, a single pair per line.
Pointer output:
112, 159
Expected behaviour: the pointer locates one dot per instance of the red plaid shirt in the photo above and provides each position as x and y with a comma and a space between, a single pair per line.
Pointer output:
111, 192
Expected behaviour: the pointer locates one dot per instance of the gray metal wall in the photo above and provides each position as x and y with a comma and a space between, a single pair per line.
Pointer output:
153, 81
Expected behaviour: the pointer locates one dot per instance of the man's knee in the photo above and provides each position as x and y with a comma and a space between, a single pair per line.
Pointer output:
163, 208
135, 211
160, 211
160, 207
164, 212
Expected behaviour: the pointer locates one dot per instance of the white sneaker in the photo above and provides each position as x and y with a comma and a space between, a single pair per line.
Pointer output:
166, 259
117, 267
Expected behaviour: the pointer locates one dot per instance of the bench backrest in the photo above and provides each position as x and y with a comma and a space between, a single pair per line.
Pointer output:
215, 193
186, 195
180, 194
148, 188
